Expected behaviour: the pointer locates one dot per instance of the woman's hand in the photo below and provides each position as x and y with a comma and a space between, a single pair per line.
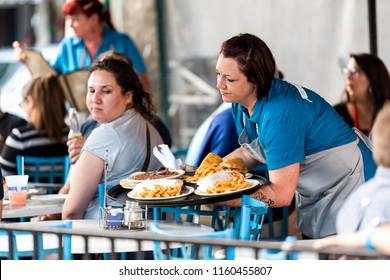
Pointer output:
19, 52
74, 148
51, 217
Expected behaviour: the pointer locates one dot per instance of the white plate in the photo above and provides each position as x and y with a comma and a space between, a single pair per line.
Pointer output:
202, 190
50, 198
127, 184
186, 189
178, 174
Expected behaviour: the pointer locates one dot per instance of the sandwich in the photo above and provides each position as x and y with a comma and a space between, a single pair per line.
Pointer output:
210, 160
234, 164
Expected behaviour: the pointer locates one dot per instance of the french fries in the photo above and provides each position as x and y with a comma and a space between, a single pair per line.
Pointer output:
161, 191
213, 168
236, 183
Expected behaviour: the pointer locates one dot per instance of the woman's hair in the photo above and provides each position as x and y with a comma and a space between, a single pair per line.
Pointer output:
88, 8
381, 136
128, 80
379, 78
49, 105
254, 58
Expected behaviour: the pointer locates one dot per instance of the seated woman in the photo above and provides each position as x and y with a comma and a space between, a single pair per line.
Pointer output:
46, 132
124, 139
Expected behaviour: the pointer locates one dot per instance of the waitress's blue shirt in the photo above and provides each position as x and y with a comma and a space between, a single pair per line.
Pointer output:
291, 127
72, 54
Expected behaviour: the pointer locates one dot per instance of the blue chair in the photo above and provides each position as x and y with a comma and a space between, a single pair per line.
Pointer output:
66, 243
185, 254
219, 214
268, 254
262, 170
249, 218
44, 169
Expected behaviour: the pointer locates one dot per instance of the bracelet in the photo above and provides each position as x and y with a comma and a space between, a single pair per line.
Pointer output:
369, 231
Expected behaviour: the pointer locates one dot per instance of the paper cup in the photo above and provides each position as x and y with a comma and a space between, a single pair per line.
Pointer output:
17, 189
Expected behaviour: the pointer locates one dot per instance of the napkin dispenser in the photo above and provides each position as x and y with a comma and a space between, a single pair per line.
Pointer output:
113, 217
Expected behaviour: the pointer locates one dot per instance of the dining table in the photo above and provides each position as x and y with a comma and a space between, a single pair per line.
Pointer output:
35, 205
99, 244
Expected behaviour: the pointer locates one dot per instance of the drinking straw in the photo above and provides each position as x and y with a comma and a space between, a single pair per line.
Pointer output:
22, 165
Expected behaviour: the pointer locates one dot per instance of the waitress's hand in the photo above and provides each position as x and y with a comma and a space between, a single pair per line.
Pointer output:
19, 52
74, 148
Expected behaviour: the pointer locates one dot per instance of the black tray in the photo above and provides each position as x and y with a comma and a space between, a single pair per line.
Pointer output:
119, 194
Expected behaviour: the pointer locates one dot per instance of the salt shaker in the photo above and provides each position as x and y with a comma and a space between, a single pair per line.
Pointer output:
136, 216
126, 213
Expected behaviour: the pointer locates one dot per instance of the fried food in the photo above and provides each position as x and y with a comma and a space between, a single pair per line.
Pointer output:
161, 191
237, 182
213, 163
234, 163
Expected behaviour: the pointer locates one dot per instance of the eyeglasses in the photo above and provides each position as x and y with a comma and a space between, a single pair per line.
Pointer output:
351, 72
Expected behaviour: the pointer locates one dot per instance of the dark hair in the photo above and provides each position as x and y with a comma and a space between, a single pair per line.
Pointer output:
255, 60
128, 80
49, 104
379, 78
88, 8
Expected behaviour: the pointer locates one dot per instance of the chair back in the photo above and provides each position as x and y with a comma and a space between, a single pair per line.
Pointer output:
65, 244
269, 254
248, 220
205, 249
219, 214
44, 169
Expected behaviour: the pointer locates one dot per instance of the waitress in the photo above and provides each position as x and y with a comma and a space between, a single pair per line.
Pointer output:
310, 151
94, 34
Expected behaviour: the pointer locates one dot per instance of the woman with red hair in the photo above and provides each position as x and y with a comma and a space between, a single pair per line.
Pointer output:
94, 34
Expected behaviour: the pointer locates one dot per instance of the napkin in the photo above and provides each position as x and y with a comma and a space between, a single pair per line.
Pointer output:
166, 157
211, 180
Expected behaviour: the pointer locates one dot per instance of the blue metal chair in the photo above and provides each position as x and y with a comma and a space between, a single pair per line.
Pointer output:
66, 243
268, 254
44, 169
262, 170
219, 214
249, 218
185, 254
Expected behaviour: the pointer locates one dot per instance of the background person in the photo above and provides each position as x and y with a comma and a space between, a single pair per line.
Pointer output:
309, 150
75, 145
1, 196
7, 123
377, 239
372, 200
94, 34
117, 100
367, 88
46, 132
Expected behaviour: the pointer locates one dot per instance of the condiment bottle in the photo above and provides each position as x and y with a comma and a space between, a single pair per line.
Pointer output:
136, 216
74, 128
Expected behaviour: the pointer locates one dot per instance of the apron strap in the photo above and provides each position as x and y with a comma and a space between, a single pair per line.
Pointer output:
147, 159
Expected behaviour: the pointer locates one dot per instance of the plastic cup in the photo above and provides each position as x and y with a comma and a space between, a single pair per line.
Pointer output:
17, 189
